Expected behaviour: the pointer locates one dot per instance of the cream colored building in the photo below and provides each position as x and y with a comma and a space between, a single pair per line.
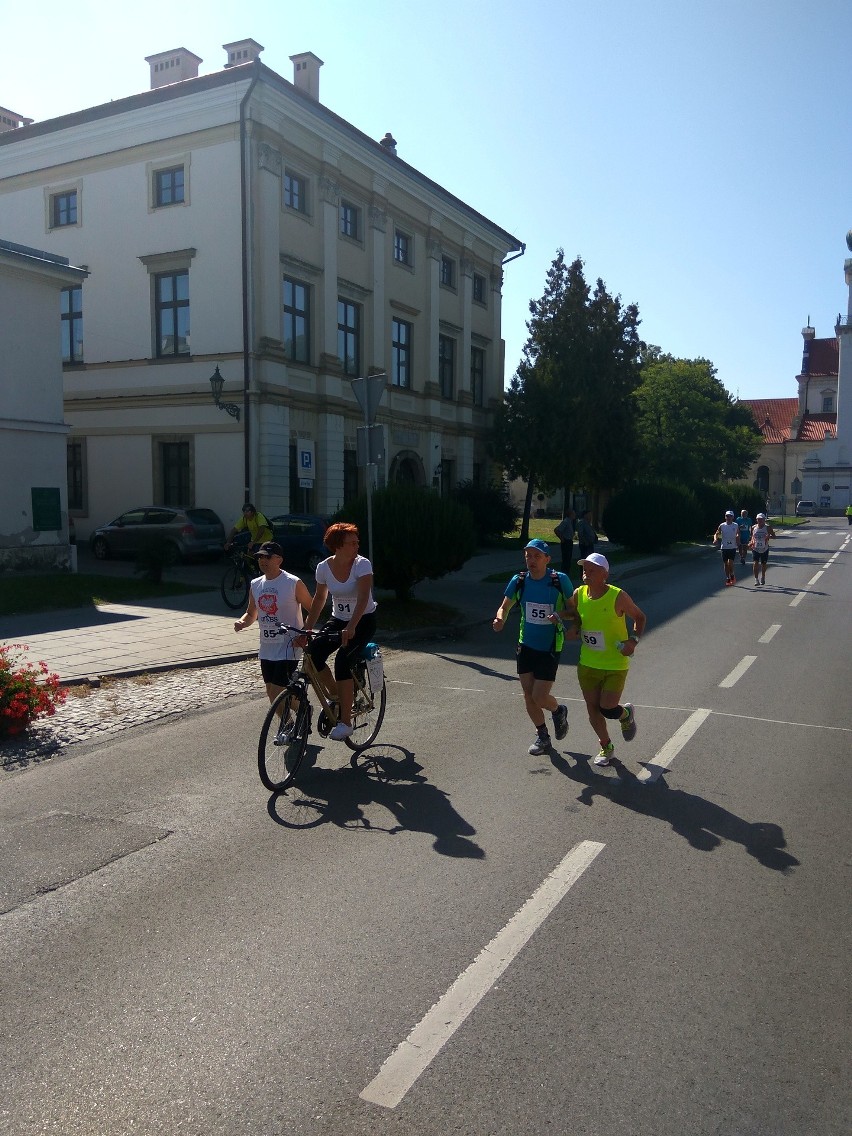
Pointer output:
33, 502
231, 221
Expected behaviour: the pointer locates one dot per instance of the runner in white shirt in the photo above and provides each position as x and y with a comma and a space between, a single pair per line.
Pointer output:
761, 534
348, 578
728, 533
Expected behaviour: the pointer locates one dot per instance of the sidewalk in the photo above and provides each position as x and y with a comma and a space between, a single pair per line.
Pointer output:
119, 640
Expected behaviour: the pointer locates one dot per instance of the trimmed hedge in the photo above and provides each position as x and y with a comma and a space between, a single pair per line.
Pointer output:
417, 535
649, 516
493, 513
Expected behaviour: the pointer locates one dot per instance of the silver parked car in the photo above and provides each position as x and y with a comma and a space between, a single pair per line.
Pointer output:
185, 533
805, 509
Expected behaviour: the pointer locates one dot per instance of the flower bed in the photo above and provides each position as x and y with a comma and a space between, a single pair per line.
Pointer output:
27, 690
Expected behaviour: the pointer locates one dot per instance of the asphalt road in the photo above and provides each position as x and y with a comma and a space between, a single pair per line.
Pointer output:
658, 955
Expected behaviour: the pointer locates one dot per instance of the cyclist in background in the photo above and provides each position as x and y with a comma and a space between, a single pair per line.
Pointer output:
256, 527
348, 577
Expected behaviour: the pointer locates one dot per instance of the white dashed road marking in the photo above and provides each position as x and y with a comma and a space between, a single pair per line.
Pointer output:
770, 633
663, 759
425, 1041
738, 671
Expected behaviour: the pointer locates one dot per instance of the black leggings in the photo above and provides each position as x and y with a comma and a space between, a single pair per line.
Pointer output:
328, 640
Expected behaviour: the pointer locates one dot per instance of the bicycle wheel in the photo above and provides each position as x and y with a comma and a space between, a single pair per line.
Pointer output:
278, 764
235, 587
368, 710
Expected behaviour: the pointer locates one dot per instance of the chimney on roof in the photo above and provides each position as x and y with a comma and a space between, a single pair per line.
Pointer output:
242, 51
172, 66
306, 67
808, 334
11, 121
388, 143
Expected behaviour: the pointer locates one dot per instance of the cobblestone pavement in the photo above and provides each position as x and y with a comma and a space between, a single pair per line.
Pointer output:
92, 712
119, 704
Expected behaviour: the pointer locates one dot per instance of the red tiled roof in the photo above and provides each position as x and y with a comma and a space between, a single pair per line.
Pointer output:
815, 426
772, 416
824, 356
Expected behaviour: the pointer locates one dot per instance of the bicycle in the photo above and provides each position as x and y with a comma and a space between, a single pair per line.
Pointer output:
241, 570
284, 734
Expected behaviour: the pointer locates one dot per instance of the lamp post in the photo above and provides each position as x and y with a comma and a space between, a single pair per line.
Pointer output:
216, 385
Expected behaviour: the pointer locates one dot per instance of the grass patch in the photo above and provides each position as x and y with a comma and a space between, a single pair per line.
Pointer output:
23, 595
412, 615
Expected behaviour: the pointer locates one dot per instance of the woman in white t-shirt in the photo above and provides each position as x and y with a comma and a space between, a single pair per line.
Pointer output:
348, 578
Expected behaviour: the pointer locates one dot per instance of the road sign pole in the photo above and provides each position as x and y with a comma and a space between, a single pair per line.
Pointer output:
368, 391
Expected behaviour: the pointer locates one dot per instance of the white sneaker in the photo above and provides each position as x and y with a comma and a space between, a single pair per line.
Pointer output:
340, 731
540, 745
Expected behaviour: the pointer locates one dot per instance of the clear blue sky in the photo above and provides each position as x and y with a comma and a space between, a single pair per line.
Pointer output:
694, 153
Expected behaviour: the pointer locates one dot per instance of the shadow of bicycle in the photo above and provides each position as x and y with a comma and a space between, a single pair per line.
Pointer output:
380, 778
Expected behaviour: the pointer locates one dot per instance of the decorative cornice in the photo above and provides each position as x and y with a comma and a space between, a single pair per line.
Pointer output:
329, 191
378, 218
349, 286
466, 267
268, 158
303, 266
433, 248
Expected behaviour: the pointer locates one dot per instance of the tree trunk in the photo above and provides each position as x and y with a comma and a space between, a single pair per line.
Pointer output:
525, 520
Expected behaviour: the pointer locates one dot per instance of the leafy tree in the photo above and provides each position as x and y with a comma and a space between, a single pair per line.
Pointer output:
690, 428
417, 535
567, 418
492, 511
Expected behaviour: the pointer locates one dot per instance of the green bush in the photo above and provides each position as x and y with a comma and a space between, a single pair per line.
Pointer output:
713, 501
648, 516
493, 514
746, 497
417, 535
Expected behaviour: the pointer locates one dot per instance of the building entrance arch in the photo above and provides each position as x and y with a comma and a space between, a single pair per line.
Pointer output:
407, 469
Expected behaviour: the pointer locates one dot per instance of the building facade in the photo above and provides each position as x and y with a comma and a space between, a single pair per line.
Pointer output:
807, 450
232, 226
34, 503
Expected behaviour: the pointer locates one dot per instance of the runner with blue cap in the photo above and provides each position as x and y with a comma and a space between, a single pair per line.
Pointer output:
544, 598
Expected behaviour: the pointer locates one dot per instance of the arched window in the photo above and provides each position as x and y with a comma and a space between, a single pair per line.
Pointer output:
762, 480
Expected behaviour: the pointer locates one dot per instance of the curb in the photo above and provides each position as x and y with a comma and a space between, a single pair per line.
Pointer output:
390, 638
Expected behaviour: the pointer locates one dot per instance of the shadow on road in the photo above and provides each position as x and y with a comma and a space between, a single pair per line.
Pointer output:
396, 783
702, 823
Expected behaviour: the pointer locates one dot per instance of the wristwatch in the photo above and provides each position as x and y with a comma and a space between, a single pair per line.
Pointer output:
634, 637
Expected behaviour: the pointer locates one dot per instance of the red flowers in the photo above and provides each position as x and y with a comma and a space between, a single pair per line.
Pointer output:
27, 691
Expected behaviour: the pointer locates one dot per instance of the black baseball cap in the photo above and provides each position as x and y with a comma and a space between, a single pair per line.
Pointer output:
271, 548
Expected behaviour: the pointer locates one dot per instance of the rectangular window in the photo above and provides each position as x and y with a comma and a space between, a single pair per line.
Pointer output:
477, 375
297, 321
350, 476
169, 186
401, 247
76, 487
295, 193
827, 404
400, 353
448, 272
171, 303
71, 308
478, 288
63, 209
350, 220
446, 365
349, 337
175, 476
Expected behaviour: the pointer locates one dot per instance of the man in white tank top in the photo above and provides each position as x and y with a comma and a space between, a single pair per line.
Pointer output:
276, 597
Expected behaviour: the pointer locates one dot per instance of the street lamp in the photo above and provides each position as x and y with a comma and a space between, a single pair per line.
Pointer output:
216, 385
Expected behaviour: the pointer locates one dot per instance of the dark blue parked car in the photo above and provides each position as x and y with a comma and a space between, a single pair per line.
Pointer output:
300, 536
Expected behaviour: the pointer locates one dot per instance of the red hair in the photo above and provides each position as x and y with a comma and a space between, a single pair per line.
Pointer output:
337, 533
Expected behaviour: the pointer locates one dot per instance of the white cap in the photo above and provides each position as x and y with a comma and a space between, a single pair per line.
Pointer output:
729, 513
595, 558
761, 516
